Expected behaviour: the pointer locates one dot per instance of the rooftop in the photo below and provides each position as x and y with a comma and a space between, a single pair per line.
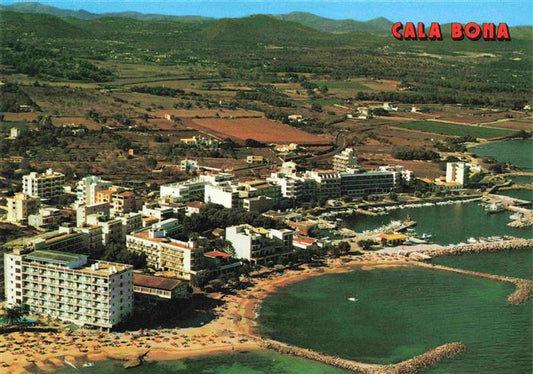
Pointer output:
54, 257
217, 254
167, 241
395, 236
151, 281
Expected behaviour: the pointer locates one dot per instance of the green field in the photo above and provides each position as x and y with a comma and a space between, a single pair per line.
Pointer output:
446, 128
337, 84
6, 126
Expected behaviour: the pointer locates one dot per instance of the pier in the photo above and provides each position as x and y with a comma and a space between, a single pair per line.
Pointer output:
513, 205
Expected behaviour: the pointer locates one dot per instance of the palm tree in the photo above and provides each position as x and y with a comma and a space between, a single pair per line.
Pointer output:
12, 315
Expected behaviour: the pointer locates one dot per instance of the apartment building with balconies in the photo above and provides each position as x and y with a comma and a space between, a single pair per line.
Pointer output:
47, 185
68, 287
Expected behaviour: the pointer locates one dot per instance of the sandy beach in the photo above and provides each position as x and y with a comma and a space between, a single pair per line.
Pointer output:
232, 330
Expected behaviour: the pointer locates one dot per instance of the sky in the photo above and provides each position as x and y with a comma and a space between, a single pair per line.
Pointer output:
512, 12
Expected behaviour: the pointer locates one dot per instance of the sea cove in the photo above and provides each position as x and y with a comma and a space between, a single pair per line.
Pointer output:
402, 312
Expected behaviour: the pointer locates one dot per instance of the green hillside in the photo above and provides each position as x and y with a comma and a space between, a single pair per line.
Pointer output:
40, 26
379, 25
261, 29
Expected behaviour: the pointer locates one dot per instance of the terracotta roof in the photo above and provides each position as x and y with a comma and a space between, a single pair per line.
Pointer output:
151, 281
106, 192
304, 239
195, 204
217, 254
126, 193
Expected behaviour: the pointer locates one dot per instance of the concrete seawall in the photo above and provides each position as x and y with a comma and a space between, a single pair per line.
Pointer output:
412, 365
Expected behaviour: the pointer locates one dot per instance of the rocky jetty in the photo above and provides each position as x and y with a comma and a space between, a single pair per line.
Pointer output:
522, 293
135, 362
521, 223
412, 365
505, 245
425, 360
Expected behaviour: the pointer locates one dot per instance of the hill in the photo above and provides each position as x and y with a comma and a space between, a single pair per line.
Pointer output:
39, 25
379, 25
261, 28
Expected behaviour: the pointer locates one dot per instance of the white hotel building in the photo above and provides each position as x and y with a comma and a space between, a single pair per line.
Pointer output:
66, 286
45, 186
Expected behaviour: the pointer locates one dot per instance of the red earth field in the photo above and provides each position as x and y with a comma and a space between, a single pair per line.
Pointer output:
260, 129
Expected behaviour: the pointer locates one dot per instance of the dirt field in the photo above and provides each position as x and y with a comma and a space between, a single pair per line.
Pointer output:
260, 129
206, 113
523, 124
91, 125
15, 117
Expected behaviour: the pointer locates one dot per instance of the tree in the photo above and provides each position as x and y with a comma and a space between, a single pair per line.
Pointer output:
366, 244
316, 107
380, 112
199, 279
12, 315
344, 247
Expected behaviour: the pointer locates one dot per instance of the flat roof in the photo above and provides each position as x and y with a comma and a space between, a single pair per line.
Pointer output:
164, 240
217, 254
54, 257
151, 281
395, 236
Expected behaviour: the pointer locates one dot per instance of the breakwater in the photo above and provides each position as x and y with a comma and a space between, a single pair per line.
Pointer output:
522, 293
412, 365
524, 287
505, 245
424, 360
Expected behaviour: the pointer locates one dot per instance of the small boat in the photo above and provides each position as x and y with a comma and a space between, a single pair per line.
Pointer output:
88, 364
515, 216
69, 363
471, 240
353, 299
494, 208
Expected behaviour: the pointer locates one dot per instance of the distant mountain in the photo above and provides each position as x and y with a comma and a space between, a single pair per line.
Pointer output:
46, 9
84, 15
40, 25
261, 28
378, 25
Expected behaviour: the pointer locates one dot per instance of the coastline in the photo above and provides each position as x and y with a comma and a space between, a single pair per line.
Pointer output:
234, 329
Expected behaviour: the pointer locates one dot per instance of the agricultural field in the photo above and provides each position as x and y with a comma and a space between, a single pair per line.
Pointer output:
343, 85
446, 128
260, 129
520, 124
207, 113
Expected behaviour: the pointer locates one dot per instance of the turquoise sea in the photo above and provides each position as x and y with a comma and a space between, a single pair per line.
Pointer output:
256, 362
518, 152
448, 224
402, 312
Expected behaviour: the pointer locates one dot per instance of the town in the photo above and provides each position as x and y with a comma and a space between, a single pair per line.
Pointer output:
273, 193
200, 232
